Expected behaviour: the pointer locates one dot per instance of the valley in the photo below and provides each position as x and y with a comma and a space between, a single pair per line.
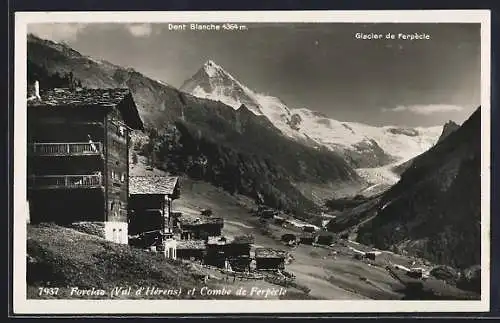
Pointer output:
330, 272
409, 196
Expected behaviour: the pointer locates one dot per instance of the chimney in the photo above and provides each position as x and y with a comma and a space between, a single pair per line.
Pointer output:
37, 90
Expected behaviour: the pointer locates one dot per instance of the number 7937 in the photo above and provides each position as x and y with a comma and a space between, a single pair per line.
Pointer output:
48, 291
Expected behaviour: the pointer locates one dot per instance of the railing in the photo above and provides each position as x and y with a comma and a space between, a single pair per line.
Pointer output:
65, 181
66, 149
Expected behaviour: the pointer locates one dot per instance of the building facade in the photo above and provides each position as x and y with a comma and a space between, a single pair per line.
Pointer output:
270, 259
150, 203
201, 228
150, 209
78, 143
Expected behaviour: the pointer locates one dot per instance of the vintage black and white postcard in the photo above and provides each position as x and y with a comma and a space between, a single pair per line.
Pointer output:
252, 162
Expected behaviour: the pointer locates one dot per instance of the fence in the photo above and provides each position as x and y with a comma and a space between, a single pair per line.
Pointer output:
68, 148
65, 181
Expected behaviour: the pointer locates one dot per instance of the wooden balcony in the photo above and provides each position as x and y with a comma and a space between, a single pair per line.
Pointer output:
66, 149
65, 181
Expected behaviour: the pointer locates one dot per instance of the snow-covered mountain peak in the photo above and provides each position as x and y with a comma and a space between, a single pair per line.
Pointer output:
214, 70
363, 145
216, 75
211, 63
213, 82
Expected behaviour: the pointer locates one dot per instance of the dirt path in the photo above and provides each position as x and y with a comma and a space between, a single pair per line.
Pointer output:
239, 224
321, 288
329, 276
310, 268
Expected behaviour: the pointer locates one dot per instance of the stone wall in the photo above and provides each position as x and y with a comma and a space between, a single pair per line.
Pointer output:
112, 231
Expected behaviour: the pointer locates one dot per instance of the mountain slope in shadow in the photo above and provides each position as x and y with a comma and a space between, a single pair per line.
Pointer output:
434, 211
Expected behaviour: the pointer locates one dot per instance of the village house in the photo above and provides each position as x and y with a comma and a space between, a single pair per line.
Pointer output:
193, 250
78, 146
289, 239
309, 228
371, 255
150, 208
266, 213
238, 252
325, 238
150, 203
229, 253
269, 259
308, 238
215, 255
200, 228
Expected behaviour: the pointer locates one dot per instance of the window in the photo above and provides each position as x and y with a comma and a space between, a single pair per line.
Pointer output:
120, 235
115, 238
122, 179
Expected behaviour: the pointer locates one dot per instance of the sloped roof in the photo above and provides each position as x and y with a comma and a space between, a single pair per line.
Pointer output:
307, 235
201, 220
217, 240
79, 97
269, 253
243, 239
191, 244
111, 97
152, 184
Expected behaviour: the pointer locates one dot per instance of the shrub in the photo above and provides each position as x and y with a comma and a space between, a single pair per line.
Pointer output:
445, 273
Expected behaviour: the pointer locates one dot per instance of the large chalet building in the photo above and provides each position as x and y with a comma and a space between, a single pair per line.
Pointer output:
78, 145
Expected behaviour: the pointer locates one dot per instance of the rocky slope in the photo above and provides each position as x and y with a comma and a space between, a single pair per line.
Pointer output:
448, 128
245, 155
434, 211
158, 103
363, 146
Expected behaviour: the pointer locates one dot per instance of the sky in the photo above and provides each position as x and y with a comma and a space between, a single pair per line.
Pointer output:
323, 67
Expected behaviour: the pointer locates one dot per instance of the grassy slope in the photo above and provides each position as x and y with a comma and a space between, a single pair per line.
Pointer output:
55, 261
